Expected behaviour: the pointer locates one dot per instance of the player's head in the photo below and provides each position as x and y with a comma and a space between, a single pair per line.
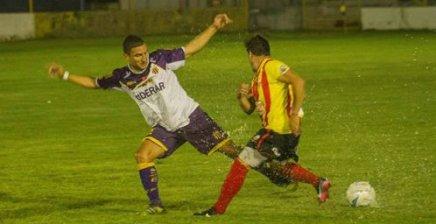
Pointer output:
257, 48
136, 52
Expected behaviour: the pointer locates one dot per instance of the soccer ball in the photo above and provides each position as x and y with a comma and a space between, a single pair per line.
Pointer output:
361, 194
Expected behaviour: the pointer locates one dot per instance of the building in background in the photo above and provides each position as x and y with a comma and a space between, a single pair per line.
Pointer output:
316, 14
22, 19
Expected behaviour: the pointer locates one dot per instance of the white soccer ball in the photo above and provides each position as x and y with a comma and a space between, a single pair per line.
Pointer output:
361, 194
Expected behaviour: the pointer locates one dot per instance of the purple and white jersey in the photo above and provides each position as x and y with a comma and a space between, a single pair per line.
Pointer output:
156, 90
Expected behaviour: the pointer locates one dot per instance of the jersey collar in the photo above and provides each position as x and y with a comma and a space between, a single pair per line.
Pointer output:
136, 72
262, 64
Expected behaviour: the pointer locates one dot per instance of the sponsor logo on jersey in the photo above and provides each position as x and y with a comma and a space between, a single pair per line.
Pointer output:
147, 92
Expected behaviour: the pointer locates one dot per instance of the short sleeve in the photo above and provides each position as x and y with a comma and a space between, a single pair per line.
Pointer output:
276, 68
110, 81
169, 59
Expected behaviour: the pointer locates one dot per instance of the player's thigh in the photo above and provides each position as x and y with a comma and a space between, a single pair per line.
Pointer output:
148, 151
275, 146
204, 133
170, 141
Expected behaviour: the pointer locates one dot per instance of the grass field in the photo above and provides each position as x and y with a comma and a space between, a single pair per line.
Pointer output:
66, 153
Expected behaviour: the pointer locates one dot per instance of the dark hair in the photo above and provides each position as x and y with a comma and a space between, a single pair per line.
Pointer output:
257, 45
130, 42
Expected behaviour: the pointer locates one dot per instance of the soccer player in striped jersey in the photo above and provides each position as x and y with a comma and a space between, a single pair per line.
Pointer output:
175, 118
277, 94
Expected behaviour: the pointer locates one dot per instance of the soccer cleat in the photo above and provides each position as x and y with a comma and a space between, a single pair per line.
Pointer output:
155, 209
207, 213
323, 190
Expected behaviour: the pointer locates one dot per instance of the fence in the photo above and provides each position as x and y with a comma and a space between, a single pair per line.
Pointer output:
247, 14
317, 14
119, 23
395, 18
115, 23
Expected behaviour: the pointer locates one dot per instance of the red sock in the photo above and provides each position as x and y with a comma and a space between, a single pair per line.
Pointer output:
232, 185
299, 174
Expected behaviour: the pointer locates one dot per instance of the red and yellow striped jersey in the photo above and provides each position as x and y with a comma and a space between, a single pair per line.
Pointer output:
273, 98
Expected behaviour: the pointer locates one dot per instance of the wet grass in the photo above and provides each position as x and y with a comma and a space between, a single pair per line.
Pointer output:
66, 153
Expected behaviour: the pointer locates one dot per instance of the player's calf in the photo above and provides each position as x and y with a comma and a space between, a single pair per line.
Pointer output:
273, 171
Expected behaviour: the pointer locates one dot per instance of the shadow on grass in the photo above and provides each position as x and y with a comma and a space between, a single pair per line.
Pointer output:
178, 205
48, 205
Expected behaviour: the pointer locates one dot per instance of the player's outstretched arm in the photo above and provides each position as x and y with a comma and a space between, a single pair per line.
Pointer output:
195, 45
58, 71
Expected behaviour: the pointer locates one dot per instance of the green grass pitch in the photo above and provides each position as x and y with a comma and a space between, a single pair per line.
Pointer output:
66, 153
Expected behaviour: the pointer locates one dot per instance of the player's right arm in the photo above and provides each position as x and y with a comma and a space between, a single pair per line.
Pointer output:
245, 98
198, 43
58, 71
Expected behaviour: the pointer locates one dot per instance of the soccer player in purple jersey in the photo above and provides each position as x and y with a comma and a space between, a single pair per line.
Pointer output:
175, 117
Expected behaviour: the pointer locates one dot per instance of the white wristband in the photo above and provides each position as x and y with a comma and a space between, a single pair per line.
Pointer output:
66, 75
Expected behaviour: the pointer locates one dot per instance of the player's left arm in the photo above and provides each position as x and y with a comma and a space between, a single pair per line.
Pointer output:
195, 45
297, 84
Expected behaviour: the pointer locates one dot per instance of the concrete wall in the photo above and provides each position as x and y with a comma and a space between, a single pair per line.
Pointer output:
173, 4
114, 23
327, 16
140, 22
288, 19
17, 26
307, 15
398, 18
